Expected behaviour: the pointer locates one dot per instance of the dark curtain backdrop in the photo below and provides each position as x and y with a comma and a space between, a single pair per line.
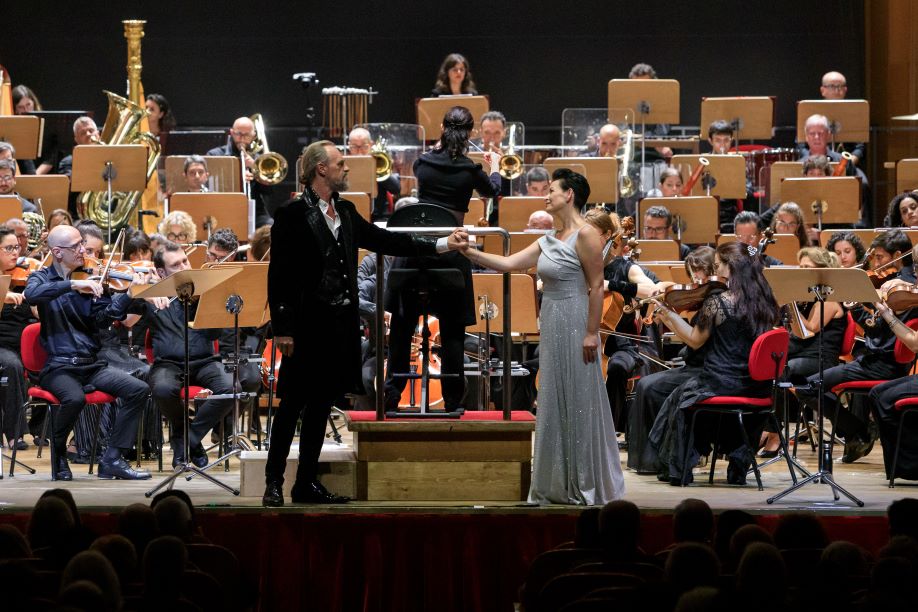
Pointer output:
215, 61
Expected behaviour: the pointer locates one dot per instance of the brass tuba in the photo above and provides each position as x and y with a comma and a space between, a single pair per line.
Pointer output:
122, 126
383, 160
270, 167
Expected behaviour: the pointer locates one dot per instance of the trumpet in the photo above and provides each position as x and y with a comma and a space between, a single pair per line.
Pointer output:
270, 168
511, 164
383, 160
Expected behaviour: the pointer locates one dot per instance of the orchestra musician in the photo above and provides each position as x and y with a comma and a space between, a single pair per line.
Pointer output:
652, 390
387, 191
720, 137
196, 173
167, 327
22, 232
312, 293
446, 177
609, 141
454, 78
788, 219
728, 323
85, 132
835, 87
8, 184
16, 315
8, 152
903, 210
71, 311
537, 180
642, 71
242, 135
137, 247
178, 226
93, 242
658, 225
670, 184
848, 247
162, 119
746, 229
539, 220
876, 361
24, 102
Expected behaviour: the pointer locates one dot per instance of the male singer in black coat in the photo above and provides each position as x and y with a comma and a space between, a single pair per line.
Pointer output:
312, 293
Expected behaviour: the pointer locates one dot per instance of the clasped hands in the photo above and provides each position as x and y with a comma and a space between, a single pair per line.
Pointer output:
458, 240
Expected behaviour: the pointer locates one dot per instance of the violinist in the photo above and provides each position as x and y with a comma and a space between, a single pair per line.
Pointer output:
71, 312
15, 317
653, 389
167, 323
728, 323
883, 398
93, 242
891, 256
625, 277
848, 247
803, 353
22, 233
746, 229
876, 361
137, 247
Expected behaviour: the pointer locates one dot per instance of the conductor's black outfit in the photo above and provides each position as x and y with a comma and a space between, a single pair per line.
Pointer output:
449, 183
312, 293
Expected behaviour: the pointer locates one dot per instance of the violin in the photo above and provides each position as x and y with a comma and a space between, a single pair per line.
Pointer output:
902, 297
24, 267
117, 277
688, 297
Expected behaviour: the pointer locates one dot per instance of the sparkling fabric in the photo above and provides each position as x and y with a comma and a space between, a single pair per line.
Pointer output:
576, 454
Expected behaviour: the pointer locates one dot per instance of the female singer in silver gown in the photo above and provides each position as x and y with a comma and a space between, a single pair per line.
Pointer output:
576, 454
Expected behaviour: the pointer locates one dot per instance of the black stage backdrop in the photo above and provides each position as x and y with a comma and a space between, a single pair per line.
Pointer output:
215, 61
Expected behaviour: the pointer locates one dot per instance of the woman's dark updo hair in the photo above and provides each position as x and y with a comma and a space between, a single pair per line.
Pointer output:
442, 84
457, 126
568, 179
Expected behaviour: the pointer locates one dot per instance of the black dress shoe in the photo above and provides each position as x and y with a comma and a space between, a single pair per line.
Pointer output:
274, 495
768, 454
120, 470
62, 472
855, 449
315, 493
198, 456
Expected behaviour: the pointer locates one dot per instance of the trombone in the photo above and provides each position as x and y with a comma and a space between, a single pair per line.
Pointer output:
383, 160
625, 182
270, 168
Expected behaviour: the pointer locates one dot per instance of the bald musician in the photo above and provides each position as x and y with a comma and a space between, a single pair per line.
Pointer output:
388, 191
608, 141
241, 136
71, 313
835, 87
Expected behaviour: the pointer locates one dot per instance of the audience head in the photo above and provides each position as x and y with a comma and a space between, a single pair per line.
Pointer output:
847, 559
92, 566
164, 563
619, 530
51, 522
67, 497
903, 517
138, 524
120, 553
174, 518
800, 530
742, 538
693, 521
762, 566
848, 247
180, 495
13, 545
586, 530
691, 565
728, 522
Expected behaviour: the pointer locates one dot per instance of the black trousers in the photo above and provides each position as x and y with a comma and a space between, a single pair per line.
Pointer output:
850, 423
452, 338
314, 408
622, 365
67, 384
166, 383
883, 399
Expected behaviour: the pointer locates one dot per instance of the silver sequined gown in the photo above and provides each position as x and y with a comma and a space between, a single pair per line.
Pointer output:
576, 454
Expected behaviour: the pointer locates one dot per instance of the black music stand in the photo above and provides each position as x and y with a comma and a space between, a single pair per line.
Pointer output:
423, 281
807, 285
109, 168
186, 285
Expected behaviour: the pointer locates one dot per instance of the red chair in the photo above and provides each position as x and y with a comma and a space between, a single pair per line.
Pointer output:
903, 406
33, 360
902, 355
767, 359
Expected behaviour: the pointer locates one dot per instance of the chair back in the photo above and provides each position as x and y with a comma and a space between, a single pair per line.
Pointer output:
902, 353
768, 355
30, 348
850, 334
148, 347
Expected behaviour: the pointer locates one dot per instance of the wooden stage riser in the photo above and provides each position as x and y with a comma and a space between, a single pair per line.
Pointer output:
443, 480
438, 446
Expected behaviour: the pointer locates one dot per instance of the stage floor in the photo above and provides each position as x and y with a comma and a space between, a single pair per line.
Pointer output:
864, 479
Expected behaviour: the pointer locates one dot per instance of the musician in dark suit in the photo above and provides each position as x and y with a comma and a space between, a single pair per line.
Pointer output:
312, 293
446, 177
241, 136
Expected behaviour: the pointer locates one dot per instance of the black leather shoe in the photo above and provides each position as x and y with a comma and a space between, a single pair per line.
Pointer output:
120, 470
274, 495
315, 493
198, 456
62, 472
855, 449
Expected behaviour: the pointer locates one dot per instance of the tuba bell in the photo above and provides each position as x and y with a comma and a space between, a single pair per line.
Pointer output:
511, 164
122, 126
383, 160
270, 167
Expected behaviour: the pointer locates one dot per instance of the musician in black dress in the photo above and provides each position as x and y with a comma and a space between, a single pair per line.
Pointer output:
454, 78
312, 293
446, 177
